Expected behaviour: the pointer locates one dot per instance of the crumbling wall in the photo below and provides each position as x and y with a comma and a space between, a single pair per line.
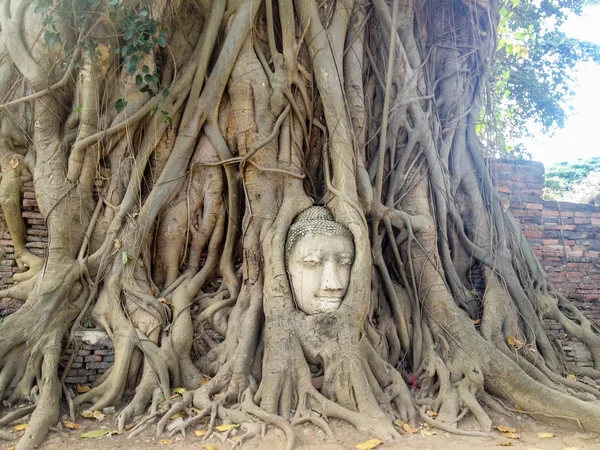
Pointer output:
565, 237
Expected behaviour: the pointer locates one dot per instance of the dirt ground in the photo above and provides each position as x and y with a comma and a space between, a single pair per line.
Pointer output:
309, 437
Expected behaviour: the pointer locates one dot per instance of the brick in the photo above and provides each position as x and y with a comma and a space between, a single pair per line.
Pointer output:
32, 215
76, 380
99, 365
36, 222
36, 245
104, 352
37, 232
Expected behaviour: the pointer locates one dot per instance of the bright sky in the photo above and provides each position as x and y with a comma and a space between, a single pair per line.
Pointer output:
580, 138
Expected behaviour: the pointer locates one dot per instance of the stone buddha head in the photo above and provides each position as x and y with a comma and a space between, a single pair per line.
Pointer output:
319, 253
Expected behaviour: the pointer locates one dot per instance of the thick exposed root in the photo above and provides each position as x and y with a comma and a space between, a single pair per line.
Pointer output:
249, 116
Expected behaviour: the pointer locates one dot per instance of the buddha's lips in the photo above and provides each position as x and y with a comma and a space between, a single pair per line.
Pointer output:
328, 299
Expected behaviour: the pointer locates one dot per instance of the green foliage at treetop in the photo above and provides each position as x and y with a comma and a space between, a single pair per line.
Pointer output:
532, 77
571, 180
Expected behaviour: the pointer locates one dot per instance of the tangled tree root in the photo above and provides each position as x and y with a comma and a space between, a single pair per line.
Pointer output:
252, 112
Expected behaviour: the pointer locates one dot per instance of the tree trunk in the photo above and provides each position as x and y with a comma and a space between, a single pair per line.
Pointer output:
212, 125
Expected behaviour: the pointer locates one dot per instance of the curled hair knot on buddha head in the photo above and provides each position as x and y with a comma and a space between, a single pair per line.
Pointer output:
314, 220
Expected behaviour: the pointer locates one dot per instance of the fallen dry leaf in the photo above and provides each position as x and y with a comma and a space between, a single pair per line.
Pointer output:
81, 388
176, 416
200, 432
114, 432
505, 444
179, 390
428, 432
104, 52
571, 377
204, 381
514, 342
71, 425
174, 396
166, 441
94, 434
20, 427
368, 445
431, 413
98, 415
406, 427
505, 429
227, 427
87, 414
510, 435
211, 447
129, 426
518, 408
545, 435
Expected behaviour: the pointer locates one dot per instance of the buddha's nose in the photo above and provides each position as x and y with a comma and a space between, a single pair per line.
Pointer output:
331, 281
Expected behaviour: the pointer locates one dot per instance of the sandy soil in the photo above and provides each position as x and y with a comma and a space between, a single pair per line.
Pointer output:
309, 437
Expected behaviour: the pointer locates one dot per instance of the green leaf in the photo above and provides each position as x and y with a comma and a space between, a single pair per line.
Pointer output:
132, 65
120, 105
125, 257
94, 434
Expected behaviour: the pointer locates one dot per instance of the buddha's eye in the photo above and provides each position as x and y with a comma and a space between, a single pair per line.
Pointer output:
312, 261
345, 262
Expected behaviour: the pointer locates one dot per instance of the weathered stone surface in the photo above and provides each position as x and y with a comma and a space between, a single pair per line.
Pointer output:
94, 338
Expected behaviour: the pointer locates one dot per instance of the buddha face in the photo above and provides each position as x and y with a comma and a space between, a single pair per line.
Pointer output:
319, 268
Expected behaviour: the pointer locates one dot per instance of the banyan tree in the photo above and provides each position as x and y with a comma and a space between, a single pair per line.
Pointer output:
286, 198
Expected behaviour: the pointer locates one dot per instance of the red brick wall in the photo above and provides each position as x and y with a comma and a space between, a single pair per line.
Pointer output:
37, 241
566, 238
